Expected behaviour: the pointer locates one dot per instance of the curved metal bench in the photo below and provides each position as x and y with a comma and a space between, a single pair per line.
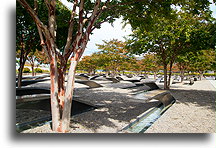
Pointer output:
29, 82
114, 80
89, 83
31, 91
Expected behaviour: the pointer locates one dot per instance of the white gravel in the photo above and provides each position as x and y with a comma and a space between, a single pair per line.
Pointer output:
193, 112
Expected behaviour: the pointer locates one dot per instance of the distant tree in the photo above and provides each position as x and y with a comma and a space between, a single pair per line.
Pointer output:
41, 57
202, 61
31, 58
89, 63
183, 63
151, 62
113, 54
37, 57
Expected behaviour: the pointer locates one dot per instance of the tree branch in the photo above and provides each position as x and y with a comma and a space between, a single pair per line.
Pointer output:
95, 14
51, 4
42, 29
70, 29
33, 14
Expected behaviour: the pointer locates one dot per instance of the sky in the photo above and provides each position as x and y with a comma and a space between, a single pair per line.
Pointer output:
109, 32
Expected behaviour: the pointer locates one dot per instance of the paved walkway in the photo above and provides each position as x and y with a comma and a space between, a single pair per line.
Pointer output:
193, 112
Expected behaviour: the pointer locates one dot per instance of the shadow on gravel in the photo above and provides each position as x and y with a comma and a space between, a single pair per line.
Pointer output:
117, 107
199, 97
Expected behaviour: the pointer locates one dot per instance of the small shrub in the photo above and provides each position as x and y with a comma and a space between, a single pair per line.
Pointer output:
178, 74
26, 70
160, 73
209, 74
45, 71
194, 73
38, 70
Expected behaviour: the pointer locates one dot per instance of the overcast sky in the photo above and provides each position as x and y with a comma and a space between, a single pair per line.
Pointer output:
108, 32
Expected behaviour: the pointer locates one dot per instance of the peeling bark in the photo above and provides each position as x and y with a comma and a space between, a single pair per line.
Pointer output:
54, 94
61, 96
68, 97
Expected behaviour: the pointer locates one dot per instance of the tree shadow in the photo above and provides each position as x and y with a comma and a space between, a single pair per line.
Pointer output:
201, 98
118, 111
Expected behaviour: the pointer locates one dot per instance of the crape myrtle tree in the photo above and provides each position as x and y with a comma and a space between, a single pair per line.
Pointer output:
174, 35
37, 56
89, 63
85, 16
112, 55
183, 62
41, 57
129, 65
31, 58
151, 63
27, 39
201, 61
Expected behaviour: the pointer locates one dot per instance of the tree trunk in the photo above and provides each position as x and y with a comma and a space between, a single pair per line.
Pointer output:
155, 75
169, 79
170, 75
201, 75
165, 77
23, 58
182, 75
32, 67
107, 73
68, 97
54, 94
19, 80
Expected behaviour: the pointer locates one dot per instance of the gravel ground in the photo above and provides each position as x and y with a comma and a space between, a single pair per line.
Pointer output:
193, 112
117, 111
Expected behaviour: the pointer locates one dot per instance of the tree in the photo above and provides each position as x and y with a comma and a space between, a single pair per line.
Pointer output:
41, 57
130, 64
36, 56
150, 62
27, 39
113, 54
32, 59
169, 37
202, 61
183, 62
91, 14
80, 26
89, 63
